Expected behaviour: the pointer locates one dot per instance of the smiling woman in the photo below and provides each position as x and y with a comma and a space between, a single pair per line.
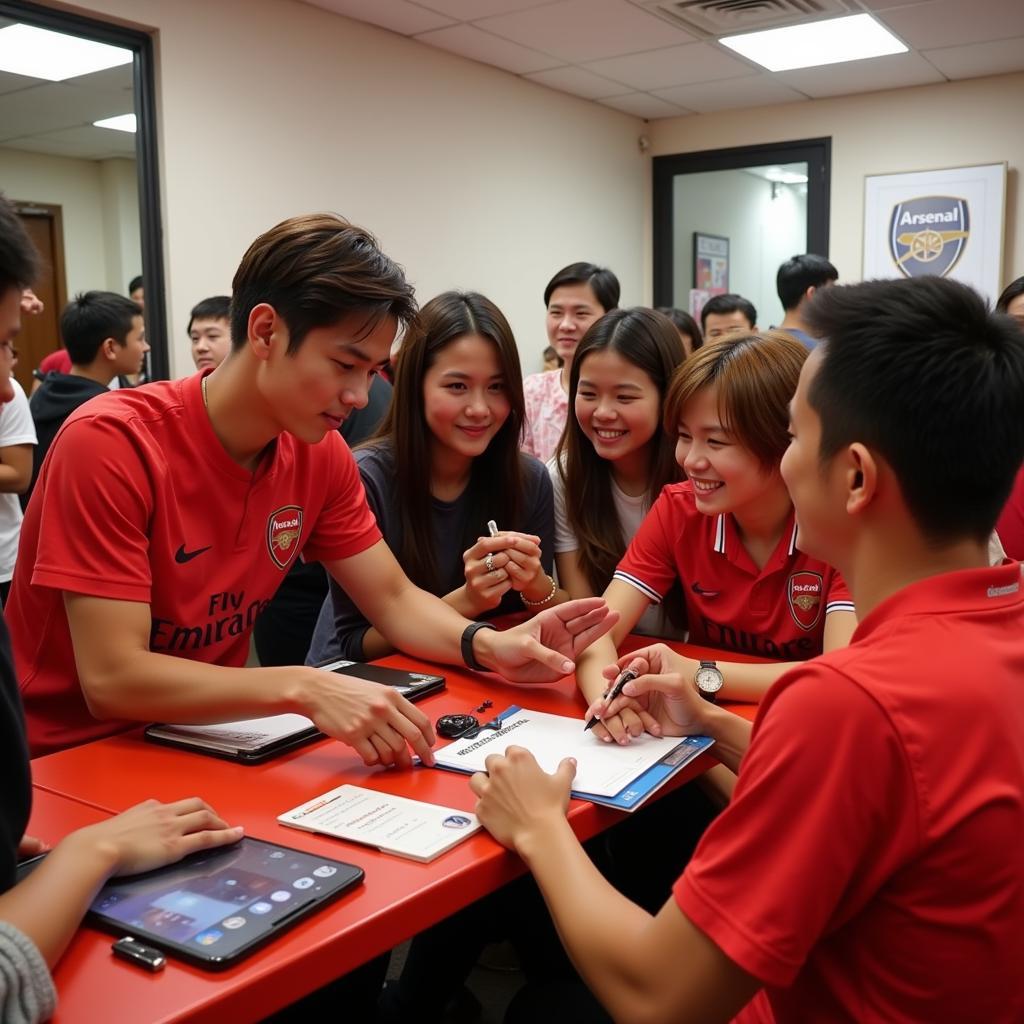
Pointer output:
78, 160
450, 444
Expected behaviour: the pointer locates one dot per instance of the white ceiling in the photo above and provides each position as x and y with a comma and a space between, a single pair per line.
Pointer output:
661, 58
57, 117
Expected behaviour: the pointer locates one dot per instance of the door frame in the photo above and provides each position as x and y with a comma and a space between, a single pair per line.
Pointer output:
817, 153
150, 223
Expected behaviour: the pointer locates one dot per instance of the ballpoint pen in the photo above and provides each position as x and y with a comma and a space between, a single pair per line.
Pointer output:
620, 682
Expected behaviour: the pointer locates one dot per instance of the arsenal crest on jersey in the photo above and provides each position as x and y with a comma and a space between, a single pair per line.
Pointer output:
805, 594
284, 527
927, 235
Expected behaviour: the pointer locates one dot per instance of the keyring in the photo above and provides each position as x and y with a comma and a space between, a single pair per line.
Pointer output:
489, 561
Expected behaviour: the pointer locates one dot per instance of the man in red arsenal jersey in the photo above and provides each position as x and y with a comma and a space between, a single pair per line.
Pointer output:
193, 497
868, 866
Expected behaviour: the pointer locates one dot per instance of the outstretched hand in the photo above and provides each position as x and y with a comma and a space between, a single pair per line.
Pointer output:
545, 648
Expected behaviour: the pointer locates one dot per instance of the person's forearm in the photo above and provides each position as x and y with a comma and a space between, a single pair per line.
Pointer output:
12, 481
750, 682
65, 884
600, 928
590, 667
731, 734
375, 645
460, 600
146, 686
422, 625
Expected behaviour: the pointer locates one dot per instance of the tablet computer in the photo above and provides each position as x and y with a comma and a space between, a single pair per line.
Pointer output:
215, 907
413, 686
251, 741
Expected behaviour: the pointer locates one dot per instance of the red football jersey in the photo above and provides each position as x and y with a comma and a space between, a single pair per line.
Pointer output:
1011, 521
137, 500
776, 612
868, 866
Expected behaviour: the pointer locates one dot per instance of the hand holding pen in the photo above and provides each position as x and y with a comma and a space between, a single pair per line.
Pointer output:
610, 695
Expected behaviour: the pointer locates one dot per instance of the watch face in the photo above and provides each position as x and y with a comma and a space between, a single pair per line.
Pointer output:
709, 679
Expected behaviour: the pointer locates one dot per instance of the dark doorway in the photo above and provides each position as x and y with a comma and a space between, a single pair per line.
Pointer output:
725, 219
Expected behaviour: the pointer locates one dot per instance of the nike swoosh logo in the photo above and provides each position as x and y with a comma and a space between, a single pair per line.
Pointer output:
698, 589
181, 556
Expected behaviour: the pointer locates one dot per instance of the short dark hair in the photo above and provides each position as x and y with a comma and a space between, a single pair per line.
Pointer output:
799, 273
685, 324
603, 283
728, 303
315, 270
92, 317
134, 284
216, 307
19, 261
1010, 292
919, 370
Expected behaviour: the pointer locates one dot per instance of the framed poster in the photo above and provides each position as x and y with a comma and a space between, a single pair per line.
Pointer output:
947, 222
710, 263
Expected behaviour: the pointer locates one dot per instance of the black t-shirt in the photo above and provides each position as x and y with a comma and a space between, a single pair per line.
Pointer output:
15, 775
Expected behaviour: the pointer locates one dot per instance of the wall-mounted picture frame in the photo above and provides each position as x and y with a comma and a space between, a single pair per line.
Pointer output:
710, 263
945, 222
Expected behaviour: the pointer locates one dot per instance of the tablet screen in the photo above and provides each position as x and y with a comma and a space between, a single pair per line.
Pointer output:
217, 905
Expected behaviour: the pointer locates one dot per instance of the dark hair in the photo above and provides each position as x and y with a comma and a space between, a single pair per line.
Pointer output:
134, 284
495, 484
684, 324
603, 283
728, 303
920, 371
755, 376
216, 307
1010, 292
649, 341
19, 261
550, 353
798, 274
92, 317
315, 270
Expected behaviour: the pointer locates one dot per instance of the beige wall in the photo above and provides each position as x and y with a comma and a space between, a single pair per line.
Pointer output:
469, 176
99, 210
950, 125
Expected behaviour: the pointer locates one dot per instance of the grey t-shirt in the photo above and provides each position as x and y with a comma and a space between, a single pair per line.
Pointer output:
341, 626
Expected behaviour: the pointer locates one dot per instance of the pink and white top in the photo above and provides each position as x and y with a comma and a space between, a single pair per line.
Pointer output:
547, 407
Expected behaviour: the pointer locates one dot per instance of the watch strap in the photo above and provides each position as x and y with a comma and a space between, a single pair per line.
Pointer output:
467, 645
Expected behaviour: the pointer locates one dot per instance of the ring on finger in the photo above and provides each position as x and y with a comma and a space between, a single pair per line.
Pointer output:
489, 561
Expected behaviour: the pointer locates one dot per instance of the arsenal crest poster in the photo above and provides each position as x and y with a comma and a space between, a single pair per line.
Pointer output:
948, 223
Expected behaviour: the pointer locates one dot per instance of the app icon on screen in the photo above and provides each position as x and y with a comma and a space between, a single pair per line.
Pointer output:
209, 937
303, 883
280, 896
260, 907
233, 922
325, 871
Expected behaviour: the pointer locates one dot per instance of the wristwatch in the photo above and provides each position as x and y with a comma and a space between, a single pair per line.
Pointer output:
708, 680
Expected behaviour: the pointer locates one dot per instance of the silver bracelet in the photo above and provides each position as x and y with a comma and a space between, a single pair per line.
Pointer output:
543, 600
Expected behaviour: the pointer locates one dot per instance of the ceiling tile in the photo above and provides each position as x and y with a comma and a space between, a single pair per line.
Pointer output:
87, 143
582, 30
58, 105
575, 81
955, 22
473, 10
676, 65
978, 59
643, 104
884, 5
468, 41
397, 15
15, 83
755, 91
876, 73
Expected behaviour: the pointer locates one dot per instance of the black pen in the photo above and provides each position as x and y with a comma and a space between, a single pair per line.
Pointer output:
624, 677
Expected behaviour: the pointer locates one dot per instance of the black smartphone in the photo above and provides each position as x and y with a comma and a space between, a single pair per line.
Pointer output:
413, 686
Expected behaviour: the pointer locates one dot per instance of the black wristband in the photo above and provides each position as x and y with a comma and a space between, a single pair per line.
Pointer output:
467, 645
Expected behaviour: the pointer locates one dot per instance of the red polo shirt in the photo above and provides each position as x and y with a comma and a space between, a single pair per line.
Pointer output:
777, 612
868, 868
138, 501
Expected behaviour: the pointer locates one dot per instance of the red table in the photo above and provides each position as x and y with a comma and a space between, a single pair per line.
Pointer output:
399, 898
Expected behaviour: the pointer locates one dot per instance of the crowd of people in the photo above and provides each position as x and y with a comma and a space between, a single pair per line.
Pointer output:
833, 495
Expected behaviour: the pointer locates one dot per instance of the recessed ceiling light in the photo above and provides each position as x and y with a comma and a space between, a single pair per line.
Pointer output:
39, 53
819, 42
121, 123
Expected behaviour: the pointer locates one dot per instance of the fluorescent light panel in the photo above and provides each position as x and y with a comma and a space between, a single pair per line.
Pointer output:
124, 123
817, 43
39, 53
